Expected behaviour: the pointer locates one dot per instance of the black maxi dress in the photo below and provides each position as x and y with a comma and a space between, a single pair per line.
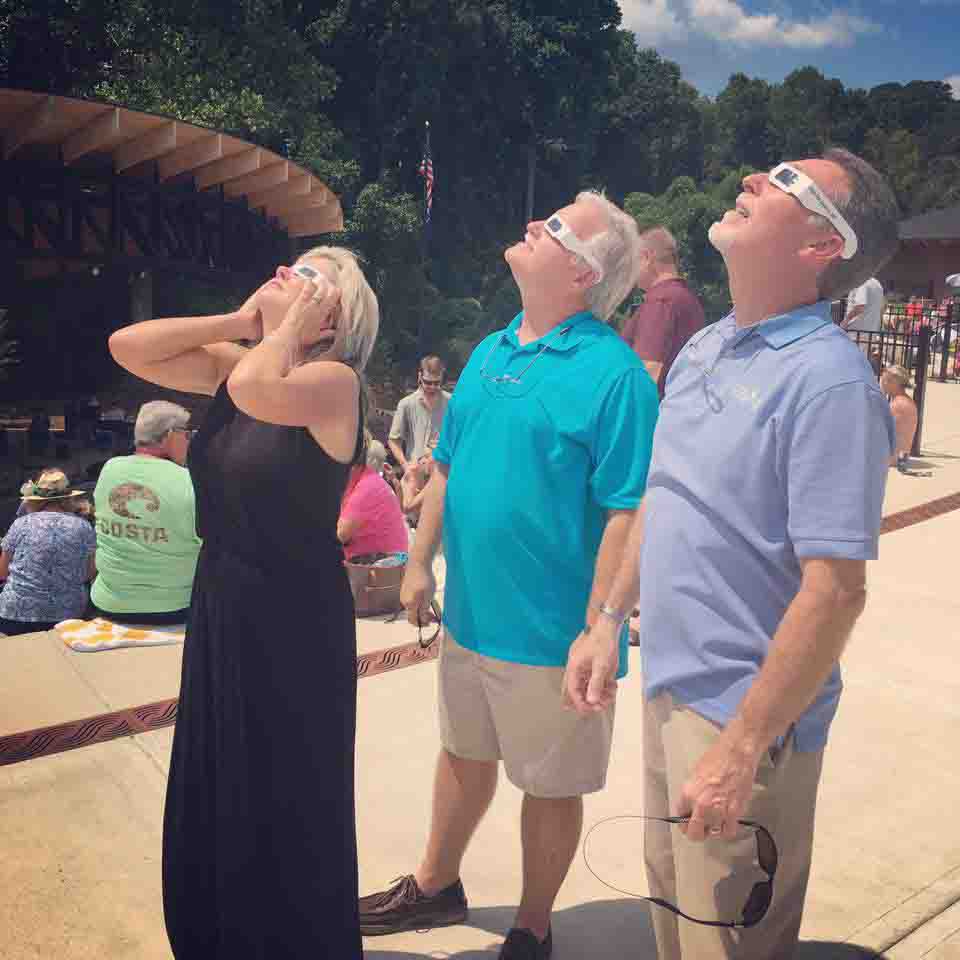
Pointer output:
259, 841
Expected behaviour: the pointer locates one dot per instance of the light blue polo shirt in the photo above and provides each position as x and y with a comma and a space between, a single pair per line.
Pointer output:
534, 467
772, 446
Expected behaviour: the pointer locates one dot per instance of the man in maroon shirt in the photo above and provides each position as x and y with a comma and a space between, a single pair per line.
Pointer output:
670, 313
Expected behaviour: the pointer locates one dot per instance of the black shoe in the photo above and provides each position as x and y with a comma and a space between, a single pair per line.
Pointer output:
404, 907
523, 945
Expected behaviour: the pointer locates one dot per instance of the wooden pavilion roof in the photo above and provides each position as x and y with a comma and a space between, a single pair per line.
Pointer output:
142, 144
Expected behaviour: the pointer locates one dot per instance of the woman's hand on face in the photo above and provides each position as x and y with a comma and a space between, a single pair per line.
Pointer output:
315, 316
250, 319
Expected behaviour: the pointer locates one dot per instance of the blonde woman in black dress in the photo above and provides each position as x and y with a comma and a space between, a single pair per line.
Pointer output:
259, 846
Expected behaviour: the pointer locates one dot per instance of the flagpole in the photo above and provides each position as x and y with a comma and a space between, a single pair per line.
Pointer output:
426, 171
427, 186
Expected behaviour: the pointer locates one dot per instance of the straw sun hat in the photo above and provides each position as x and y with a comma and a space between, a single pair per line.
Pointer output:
50, 485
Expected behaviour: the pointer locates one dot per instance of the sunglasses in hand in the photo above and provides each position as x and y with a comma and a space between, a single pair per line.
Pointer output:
437, 619
761, 895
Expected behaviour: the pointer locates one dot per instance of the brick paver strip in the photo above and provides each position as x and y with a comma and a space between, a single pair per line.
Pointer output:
926, 511
154, 716
45, 741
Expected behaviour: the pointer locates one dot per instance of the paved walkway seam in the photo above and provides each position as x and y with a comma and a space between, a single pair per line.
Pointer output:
911, 915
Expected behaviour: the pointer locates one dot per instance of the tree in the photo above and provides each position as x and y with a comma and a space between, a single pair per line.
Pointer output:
898, 154
744, 125
651, 128
801, 110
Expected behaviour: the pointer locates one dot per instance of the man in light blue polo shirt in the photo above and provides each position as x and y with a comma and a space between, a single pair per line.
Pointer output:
764, 503
541, 464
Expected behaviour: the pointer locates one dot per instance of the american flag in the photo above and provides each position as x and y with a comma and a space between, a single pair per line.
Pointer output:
426, 171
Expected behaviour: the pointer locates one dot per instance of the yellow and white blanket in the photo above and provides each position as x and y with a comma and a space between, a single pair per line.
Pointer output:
88, 636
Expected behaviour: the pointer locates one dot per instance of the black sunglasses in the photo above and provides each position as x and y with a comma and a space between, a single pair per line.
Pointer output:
761, 896
438, 616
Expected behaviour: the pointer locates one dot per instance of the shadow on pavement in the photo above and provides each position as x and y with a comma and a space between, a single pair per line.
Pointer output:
940, 456
825, 950
600, 930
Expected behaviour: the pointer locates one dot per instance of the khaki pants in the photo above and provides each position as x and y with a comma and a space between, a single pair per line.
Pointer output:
493, 710
712, 880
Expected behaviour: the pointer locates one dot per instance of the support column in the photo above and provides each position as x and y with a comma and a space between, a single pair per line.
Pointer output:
141, 296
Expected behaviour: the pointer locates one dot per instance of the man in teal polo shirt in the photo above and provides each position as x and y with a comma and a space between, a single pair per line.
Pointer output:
541, 465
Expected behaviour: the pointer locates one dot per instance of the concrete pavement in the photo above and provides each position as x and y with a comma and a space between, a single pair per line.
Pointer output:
81, 831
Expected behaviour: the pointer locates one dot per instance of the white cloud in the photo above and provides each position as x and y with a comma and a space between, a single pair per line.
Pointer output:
954, 83
727, 20
653, 21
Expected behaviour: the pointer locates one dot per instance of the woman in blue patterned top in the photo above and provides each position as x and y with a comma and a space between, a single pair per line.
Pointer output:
48, 557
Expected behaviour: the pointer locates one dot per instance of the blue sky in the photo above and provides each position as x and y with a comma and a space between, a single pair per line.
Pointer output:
863, 42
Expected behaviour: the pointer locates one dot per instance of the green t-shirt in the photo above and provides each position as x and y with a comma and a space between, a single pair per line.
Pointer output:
147, 543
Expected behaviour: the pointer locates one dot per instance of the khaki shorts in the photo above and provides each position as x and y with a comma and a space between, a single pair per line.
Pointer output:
494, 710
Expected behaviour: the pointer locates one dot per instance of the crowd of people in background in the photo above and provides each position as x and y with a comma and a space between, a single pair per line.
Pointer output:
141, 516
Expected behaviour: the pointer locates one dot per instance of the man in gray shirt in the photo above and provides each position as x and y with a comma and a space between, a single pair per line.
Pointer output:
419, 416
865, 307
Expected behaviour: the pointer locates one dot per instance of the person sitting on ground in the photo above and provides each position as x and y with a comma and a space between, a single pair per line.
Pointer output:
48, 557
371, 523
146, 524
894, 383
413, 487
419, 416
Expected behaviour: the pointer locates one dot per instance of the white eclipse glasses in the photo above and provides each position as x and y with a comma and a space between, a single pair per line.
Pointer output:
557, 227
795, 182
305, 271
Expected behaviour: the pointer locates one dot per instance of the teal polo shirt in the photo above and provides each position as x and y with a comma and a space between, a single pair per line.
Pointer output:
534, 468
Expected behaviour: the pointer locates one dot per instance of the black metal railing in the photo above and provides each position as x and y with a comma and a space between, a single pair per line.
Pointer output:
942, 319
911, 351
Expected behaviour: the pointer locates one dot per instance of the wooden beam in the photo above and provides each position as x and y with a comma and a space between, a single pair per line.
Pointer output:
94, 135
297, 187
298, 192
229, 168
191, 156
304, 223
297, 204
151, 145
262, 179
28, 124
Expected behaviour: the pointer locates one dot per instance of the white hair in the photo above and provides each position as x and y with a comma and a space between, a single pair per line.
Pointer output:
616, 249
358, 305
156, 419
